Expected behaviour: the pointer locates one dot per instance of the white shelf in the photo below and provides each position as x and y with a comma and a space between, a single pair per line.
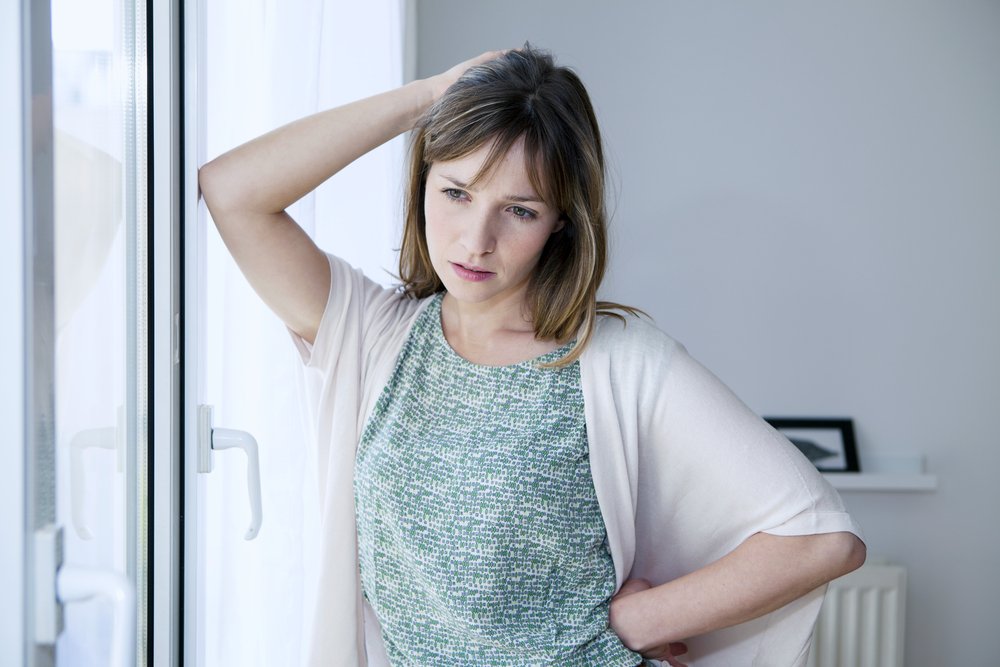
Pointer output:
881, 481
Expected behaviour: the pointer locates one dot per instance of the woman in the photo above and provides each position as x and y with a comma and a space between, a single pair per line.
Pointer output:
520, 475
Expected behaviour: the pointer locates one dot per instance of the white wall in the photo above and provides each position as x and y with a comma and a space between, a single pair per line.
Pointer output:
809, 199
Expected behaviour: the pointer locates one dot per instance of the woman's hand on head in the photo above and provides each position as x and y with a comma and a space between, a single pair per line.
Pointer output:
665, 652
442, 81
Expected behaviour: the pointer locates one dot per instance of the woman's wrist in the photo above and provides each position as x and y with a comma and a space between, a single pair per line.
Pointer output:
423, 93
625, 618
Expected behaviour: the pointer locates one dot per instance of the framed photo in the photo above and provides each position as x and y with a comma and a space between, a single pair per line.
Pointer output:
828, 443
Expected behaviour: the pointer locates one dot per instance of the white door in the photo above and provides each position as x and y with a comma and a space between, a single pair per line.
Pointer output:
78, 309
247, 70
242, 573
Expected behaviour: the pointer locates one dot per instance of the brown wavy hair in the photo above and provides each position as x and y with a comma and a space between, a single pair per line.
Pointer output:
524, 95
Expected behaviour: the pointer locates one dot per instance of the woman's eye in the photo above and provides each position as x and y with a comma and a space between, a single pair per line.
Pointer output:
454, 193
521, 212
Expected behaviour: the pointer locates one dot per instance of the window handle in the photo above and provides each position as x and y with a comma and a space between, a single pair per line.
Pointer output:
91, 438
78, 584
211, 439
57, 584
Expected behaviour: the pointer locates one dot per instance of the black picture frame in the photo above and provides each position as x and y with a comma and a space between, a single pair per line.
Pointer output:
827, 442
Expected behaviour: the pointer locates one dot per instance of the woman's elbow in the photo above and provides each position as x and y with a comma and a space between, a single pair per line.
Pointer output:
847, 553
221, 187
207, 181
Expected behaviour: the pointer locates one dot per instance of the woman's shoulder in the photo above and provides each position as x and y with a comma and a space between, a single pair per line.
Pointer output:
350, 283
623, 334
362, 313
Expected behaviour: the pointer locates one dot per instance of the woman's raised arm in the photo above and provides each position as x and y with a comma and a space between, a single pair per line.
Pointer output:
248, 189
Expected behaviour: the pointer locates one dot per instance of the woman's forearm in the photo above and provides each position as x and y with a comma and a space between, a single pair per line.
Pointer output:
248, 189
266, 175
762, 574
271, 172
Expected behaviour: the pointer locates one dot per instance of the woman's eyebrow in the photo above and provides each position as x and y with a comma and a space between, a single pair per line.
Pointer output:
456, 182
518, 198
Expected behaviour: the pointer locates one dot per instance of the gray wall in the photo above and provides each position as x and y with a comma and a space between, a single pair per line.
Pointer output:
808, 196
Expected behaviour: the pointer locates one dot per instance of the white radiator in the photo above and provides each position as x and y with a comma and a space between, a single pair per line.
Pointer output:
861, 622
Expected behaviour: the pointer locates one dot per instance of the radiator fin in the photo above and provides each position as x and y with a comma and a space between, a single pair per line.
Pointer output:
862, 620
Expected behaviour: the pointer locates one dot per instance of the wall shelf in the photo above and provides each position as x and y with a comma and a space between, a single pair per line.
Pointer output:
881, 481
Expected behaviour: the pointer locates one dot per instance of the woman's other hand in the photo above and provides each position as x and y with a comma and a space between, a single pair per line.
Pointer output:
441, 82
664, 652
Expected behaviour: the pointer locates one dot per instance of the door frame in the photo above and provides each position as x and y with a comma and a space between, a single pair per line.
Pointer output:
167, 187
27, 271
191, 305
13, 482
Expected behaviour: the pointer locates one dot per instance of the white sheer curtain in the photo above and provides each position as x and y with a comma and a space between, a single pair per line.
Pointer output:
270, 62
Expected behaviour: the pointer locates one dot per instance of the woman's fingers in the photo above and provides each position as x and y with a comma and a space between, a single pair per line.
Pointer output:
678, 648
669, 653
673, 662
445, 79
459, 69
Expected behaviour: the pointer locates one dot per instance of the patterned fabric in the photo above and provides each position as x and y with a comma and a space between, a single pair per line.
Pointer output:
480, 537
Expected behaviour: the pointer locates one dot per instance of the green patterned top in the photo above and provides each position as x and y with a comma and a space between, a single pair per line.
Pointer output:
480, 538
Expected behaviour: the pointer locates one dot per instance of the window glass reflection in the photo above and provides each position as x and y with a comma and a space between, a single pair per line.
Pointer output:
96, 324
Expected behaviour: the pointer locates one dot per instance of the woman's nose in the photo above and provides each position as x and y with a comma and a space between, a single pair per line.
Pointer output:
479, 235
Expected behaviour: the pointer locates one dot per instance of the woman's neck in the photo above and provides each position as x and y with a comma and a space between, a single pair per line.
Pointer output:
491, 334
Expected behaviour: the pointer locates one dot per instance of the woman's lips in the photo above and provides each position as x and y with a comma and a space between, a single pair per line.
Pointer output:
471, 273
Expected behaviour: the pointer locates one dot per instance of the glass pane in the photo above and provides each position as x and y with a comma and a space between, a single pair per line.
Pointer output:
100, 222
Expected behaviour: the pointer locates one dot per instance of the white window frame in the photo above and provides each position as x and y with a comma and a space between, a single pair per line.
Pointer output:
167, 188
13, 571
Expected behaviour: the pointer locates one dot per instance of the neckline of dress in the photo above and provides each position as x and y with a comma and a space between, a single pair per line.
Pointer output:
438, 329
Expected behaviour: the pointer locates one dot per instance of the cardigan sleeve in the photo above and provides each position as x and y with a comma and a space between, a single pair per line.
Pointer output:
360, 333
712, 473
697, 472
354, 300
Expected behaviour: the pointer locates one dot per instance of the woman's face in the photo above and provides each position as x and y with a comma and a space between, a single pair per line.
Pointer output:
485, 241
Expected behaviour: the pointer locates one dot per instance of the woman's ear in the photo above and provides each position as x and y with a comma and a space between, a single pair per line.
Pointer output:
560, 223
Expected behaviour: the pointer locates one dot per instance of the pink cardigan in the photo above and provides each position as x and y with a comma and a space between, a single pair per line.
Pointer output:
684, 471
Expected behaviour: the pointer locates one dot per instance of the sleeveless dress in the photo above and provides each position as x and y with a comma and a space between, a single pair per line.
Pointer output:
480, 537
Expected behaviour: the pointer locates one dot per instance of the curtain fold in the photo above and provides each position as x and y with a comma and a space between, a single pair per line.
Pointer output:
269, 63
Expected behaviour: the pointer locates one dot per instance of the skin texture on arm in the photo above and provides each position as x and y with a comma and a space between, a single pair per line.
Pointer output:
762, 574
248, 189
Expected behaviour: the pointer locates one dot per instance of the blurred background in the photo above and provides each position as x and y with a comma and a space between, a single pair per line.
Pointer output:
807, 195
